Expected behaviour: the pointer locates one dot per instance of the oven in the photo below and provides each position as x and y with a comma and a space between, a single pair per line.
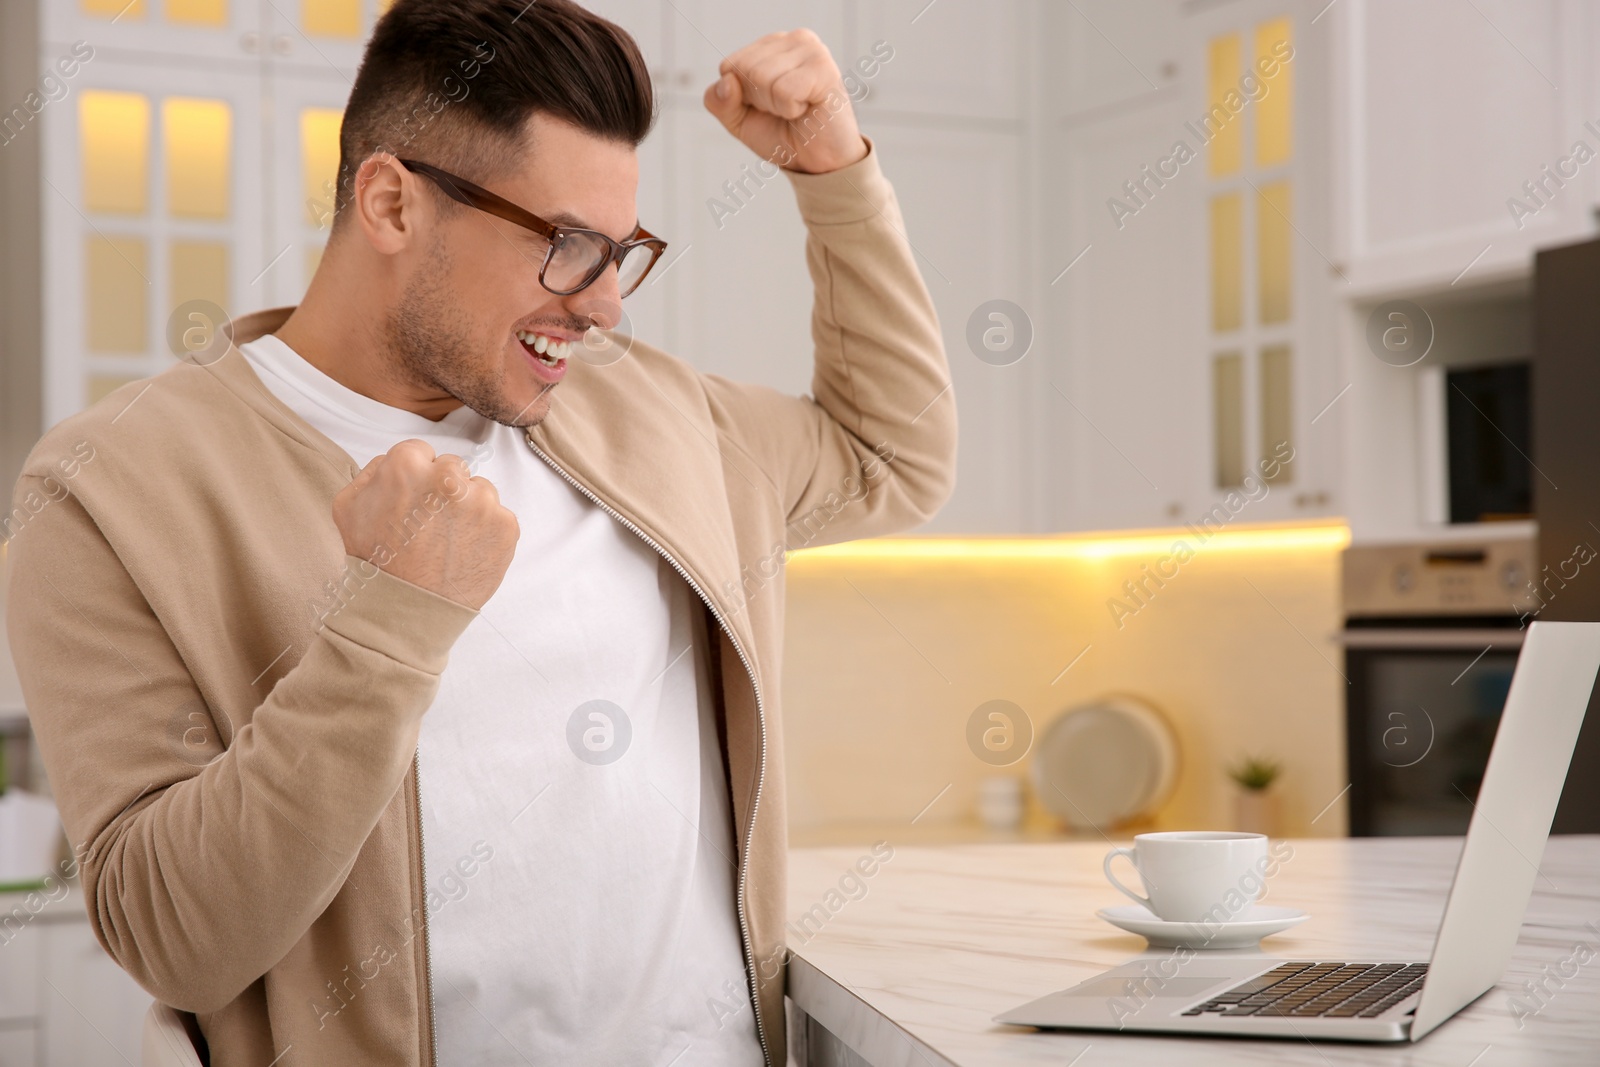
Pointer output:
1431, 637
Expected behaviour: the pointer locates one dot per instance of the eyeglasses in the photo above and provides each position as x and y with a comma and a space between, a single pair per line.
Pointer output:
576, 257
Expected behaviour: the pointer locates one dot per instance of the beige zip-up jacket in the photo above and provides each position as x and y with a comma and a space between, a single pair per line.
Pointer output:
228, 704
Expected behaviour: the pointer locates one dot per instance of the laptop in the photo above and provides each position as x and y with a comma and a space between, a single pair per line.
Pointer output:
1383, 1000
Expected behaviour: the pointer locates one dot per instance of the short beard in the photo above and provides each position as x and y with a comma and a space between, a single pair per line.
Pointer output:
433, 345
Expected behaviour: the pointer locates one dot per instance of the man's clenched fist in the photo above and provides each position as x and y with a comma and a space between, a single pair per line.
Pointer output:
422, 518
784, 97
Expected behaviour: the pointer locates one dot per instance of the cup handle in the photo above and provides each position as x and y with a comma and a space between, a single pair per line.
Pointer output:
1130, 894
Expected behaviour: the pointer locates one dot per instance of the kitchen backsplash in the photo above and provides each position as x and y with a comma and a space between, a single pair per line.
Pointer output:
892, 645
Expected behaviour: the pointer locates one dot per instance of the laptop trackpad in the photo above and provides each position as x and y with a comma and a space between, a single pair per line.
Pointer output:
1145, 985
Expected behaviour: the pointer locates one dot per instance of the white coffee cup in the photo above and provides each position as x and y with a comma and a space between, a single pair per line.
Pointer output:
1195, 875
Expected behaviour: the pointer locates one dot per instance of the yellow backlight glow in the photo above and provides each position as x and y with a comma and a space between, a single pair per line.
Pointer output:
1280, 538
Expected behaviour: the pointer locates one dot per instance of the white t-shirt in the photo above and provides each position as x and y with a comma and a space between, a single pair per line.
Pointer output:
579, 855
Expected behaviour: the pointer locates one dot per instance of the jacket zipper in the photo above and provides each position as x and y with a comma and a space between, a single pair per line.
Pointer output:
427, 939
761, 722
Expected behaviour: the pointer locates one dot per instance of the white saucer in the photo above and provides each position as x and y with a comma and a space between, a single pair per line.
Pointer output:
1260, 920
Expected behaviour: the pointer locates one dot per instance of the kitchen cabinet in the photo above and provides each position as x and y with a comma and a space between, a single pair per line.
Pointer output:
646, 21
1292, 375
153, 178
1009, 128
93, 1012
168, 183
951, 61
19, 967
701, 33
63, 1001
214, 34
317, 36
1189, 307
1414, 129
311, 35
735, 276
739, 295
1447, 117
961, 195
1107, 55
1126, 419
17, 1048
308, 34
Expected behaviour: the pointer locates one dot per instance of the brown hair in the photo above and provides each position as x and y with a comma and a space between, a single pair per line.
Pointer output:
452, 82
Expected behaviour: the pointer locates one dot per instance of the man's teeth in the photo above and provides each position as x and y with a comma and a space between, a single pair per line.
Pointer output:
550, 351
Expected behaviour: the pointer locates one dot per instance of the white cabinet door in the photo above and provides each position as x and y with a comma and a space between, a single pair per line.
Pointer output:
1290, 370
645, 21
1444, 111
20, 947
1100, 54
704, 32
738, 296
1128, 418
951, 59
93, 1012
18, 1048
961, 195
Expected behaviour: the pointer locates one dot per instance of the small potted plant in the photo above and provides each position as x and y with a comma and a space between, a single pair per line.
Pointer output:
1255, 806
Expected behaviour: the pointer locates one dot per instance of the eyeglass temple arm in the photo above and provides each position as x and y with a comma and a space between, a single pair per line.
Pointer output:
463, 191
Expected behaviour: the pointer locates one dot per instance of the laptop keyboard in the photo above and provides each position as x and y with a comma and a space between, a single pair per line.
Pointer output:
1327, 990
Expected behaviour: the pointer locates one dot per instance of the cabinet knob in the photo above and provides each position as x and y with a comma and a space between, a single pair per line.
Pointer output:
283, 44
1403, 579
250, 41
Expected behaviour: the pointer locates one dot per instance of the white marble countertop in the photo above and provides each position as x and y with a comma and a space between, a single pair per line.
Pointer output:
911, 971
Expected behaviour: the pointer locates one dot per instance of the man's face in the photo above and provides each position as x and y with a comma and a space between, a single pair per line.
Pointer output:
474, 289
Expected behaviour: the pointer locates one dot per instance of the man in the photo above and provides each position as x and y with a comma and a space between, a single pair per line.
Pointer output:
408, 684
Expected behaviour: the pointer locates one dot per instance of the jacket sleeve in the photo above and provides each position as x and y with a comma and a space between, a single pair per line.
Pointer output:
201, 867
875, 451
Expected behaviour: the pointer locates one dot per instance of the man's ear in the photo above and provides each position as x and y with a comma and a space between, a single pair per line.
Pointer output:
388, 204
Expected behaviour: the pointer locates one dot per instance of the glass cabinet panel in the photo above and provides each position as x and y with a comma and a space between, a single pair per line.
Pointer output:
199, 271
114, 142
1274, 243
198, 140
117, 294
1227, 262
1219, 122
1227, 398
1277, 407
331, 18
1275, 110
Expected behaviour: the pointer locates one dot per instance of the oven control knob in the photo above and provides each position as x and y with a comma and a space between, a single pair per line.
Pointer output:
1512, 576
1405, 579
